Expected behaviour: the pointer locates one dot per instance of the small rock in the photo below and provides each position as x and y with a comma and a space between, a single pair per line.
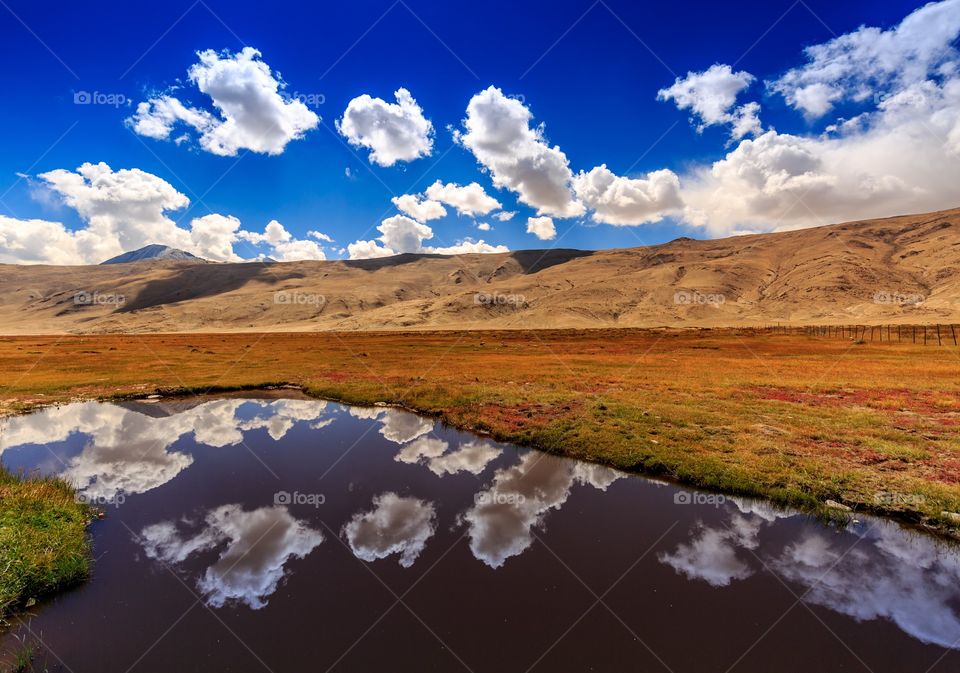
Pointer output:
953, 516
833, 504
153, 397
30, 603
379, 404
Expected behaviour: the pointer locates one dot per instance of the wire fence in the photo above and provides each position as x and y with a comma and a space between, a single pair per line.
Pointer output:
927, 335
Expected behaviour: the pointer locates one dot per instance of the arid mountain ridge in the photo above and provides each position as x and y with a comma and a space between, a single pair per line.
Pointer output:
899, 269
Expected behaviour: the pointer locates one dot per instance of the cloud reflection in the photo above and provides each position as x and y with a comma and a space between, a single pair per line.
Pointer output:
500, 523
876, 570
128, 451
396, 525
256, 547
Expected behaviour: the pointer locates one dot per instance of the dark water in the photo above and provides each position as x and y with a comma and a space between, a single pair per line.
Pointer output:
296, 535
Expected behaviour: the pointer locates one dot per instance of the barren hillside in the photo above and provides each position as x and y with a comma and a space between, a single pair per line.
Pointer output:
900, 269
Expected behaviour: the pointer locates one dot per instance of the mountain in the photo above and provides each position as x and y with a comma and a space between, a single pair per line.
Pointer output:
151, 252
899, 269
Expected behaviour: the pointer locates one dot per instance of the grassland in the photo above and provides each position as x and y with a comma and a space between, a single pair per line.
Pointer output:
43, 539
797, 419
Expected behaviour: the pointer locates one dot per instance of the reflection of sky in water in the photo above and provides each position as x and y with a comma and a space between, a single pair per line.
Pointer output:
128, 451
395, 525
501, 500
256, 545
873, 570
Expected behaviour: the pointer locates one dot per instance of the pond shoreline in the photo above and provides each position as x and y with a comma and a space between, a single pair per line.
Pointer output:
834, 512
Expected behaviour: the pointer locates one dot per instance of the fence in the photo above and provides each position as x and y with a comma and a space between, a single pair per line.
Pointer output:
927, 335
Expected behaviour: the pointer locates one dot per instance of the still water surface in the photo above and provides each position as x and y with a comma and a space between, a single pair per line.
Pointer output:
275, 534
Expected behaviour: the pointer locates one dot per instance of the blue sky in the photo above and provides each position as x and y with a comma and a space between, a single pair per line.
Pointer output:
589, 71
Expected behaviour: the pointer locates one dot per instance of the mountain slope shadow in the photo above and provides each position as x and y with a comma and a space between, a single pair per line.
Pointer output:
191, 281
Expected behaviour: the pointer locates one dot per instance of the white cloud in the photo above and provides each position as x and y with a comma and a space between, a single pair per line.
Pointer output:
282, 246
367, 250
628, 201
470, 200
124, 210
215, 235
901, 155
251, 111
40, 242
484, 226
400, 234
420, 209
391, 131
396, 525
467, 247
542, 228
710, 95
320, 236
498, 132
865, 63
505, 215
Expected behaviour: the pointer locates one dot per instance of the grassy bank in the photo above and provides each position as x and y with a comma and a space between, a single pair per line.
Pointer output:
793, 418
43, 539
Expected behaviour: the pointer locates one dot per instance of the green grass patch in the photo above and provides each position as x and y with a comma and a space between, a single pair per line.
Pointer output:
43, 538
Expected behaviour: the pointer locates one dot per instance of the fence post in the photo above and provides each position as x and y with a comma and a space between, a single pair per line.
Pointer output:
939, 343
953, 334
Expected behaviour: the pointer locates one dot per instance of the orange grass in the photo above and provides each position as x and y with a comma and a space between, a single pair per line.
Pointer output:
794, 418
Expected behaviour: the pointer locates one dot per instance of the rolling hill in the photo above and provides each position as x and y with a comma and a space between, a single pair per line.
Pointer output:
899, 269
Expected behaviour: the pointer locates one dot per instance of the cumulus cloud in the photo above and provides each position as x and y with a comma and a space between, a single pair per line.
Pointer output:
251, 112
469, 200
420, 209
391, 131
396, 525
628, 201
865, 63
505, 216
282, 245
900, 155
542, 228
126, 209
497, 131
401, 234
484, 226
711, 95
